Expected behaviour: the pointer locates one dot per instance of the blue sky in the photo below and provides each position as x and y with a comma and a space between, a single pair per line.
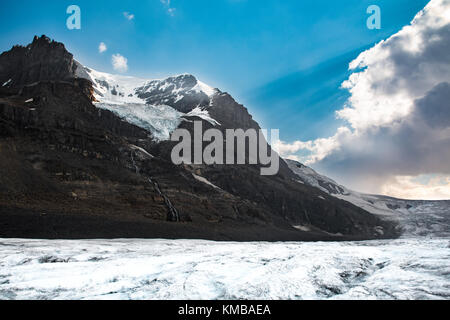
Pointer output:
284, 60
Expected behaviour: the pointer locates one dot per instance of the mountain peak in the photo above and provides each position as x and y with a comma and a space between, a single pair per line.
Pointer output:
42, 38
41, 60
67, 157
44, 43
183, 92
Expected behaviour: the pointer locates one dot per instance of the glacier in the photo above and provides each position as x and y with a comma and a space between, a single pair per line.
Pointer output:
161, 120
125, 96
416, 266
193, 269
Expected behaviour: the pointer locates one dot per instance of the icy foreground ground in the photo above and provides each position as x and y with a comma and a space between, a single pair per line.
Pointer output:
188, 269
414, 267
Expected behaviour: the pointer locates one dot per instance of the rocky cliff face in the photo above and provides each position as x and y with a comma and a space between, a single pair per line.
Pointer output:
69, 169
231, 113
42, 60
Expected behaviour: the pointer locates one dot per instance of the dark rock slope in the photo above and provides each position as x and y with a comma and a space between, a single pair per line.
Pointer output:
71, 170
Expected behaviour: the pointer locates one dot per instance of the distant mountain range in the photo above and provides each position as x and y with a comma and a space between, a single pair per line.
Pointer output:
86, 154
416, 217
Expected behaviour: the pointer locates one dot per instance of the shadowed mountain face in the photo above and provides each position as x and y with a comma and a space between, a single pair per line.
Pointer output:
26, 65
74, 167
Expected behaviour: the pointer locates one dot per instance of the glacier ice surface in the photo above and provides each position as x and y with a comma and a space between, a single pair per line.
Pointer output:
194, 269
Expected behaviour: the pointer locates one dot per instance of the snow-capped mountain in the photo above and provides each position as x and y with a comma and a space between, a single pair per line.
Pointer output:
158, 106
416, 217
91, 147
309, 176
372, 203
174, 91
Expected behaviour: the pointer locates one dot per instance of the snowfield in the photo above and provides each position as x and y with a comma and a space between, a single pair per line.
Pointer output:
189, 269
124, 96
417, 266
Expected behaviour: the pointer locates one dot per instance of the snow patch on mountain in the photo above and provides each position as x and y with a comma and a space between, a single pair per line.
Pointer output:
142, 151
203, 87
203, 114
312, 178
372, 204
115, 89
205, 181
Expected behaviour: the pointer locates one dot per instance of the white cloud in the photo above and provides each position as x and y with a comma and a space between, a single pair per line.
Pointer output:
399, 70
102, 47
398, 114
286, 149
318, 148
407, 187
170, 9
128, 16
119, 62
